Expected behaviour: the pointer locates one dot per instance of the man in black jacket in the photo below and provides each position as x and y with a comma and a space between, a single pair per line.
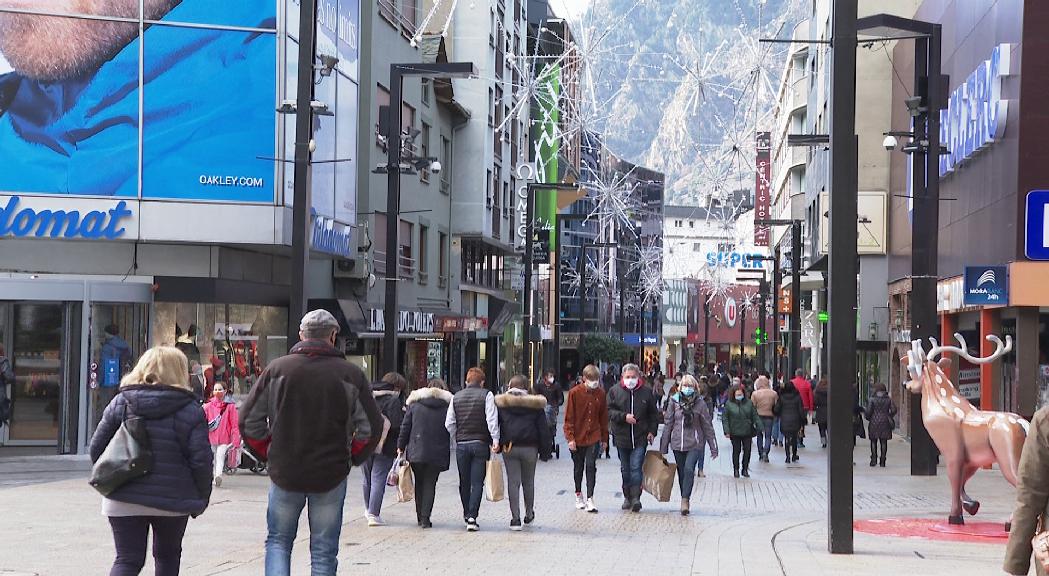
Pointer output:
312, 414
633, 420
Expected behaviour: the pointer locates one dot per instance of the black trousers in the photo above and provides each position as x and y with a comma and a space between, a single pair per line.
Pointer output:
129, 536
790, 444
823, 429
585, 457
884, 449
425, 489
741, 446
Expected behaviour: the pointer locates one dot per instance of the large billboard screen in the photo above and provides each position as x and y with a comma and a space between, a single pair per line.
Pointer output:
174, 102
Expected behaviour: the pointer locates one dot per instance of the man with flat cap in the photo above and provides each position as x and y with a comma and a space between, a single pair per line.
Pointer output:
313, 412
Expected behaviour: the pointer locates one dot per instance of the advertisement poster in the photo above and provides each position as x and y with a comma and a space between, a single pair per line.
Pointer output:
762, 187
87, 115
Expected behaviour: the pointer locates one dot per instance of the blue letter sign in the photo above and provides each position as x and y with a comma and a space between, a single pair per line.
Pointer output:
96, 224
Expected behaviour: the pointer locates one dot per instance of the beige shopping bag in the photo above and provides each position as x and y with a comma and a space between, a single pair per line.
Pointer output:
658, 476
494, 489
405, 482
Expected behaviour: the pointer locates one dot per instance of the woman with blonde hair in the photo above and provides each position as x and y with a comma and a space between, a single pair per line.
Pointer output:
179, 482
687, 431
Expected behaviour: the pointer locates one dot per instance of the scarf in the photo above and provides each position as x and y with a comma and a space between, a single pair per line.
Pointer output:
687, 404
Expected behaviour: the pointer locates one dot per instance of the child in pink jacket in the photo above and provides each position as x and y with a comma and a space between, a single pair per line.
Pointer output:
223, 430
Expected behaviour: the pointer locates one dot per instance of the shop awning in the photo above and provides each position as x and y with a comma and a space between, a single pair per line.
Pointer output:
347, 312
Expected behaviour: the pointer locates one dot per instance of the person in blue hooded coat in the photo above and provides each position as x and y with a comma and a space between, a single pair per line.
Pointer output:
179, 483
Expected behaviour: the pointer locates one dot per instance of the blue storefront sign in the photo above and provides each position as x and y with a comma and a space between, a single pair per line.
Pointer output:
1036, 236
986, 285
734, 260
634, 339
331, 237
20, 222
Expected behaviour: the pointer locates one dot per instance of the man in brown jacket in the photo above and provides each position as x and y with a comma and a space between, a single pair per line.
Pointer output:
764, 400
312, 414
586, 430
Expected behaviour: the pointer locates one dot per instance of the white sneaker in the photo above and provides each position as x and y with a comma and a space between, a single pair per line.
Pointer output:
375, 521
218, 481
590, 506
579, 503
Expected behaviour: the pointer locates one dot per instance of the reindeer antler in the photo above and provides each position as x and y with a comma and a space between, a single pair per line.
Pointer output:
1000, 349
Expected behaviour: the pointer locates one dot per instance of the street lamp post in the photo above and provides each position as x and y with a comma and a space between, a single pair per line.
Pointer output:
527, 257
929, 91
393, 194
300, 212
795, 288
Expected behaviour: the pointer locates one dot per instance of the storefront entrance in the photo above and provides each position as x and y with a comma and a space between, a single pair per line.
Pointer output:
41, 340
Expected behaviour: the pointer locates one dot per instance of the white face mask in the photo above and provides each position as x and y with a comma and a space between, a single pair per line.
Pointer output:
549, 379
630, 383
592, 384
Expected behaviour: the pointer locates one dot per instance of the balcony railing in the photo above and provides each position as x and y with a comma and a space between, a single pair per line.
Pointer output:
379, 262
405, 267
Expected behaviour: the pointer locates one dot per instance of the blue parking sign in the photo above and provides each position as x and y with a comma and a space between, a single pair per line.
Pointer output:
1036, 244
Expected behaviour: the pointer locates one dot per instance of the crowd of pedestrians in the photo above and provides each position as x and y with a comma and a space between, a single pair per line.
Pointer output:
312, 416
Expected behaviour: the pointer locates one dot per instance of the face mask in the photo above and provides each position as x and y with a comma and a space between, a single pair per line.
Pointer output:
219, 394
739, 397
688, 391
592, 384
630, 383
549, 379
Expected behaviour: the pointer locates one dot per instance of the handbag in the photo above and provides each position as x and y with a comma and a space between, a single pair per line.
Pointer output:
129, 455
393, 477
493, 480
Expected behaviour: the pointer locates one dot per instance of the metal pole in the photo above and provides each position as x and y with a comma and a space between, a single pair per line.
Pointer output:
706, 330
762, 348
582, 289
924, 231
300, 213
555, 280
393, 210
641, 337
775, 316
795, 297
842, 270
526, 290
742, 335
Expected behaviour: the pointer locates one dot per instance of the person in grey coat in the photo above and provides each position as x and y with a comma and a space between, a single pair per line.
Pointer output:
687, 430
880, 412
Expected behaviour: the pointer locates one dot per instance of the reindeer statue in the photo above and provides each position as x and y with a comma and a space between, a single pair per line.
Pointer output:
969, 439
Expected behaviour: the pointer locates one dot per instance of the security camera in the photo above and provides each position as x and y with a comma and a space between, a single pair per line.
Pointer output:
890, 142
328, 64
436, 167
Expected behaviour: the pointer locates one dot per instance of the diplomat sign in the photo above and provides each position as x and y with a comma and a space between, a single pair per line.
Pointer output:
22, 221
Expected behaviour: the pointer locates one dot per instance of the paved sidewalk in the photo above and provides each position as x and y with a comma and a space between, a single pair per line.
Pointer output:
773, 523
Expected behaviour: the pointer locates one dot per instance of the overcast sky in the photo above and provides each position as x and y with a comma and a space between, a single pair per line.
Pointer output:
570, 9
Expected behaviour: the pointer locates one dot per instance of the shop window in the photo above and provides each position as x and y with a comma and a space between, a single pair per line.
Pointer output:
116, 340
232, 343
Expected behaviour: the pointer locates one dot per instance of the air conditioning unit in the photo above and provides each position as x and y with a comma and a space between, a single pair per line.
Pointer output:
356, 268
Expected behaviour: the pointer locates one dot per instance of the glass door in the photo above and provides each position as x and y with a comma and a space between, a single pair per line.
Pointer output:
37, 352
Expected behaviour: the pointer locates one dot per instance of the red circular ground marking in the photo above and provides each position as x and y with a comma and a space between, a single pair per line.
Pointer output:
930, 529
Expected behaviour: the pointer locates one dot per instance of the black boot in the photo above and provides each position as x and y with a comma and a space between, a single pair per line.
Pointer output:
635, 502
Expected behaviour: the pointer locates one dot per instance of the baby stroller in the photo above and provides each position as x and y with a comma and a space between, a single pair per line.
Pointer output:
250, 460
551, 420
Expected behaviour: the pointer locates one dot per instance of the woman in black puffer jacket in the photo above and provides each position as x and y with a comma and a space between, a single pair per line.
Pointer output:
425, 444
179, 484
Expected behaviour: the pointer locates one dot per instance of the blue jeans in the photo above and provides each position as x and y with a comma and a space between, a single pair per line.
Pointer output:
777, 434
471, 458
282, 522
375, 469
630, 462
686, 469
765, 435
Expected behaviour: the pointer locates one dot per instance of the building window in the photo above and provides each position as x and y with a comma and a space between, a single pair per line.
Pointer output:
726, 247
442, 259
697, 246
388, 10
382, 98
425, 84
491, 108
691, 223
677, 223
446, 165
488, 189
424, 151
405, 262
424, 246
408, 17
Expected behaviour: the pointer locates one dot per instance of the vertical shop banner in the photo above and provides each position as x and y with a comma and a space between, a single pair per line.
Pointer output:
762, 187
183, 110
